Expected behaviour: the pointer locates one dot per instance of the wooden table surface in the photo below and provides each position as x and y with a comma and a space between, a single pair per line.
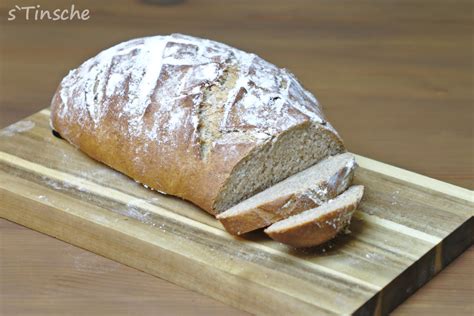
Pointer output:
395, 78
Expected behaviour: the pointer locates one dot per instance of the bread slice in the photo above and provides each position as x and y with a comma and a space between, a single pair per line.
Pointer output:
318, 225
304, 190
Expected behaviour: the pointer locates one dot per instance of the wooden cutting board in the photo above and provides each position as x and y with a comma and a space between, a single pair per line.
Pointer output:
408, 227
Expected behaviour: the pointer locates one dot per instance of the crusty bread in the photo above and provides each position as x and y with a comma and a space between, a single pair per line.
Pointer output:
192, 118
302, 191
316, 226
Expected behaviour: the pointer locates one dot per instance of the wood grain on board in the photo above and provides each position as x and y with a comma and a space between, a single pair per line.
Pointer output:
406, 230
395, 78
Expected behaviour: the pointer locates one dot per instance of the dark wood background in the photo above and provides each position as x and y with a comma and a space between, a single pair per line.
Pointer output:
395, 78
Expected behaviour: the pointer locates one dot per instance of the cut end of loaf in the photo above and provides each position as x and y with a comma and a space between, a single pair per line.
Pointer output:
288, 153
318, 225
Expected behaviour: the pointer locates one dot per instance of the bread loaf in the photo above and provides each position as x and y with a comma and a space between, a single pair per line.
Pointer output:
316, 226
192, 118
302, 191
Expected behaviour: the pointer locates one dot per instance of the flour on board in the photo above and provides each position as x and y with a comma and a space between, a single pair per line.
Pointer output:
19, 127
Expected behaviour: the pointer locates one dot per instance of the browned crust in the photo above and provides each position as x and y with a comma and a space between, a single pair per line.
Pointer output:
316, 232
182, 173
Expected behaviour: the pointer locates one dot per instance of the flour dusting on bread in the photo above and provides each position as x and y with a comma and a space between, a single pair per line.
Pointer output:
161, 71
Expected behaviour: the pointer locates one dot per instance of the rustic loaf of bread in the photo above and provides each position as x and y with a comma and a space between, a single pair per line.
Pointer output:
193, 118
302, 191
